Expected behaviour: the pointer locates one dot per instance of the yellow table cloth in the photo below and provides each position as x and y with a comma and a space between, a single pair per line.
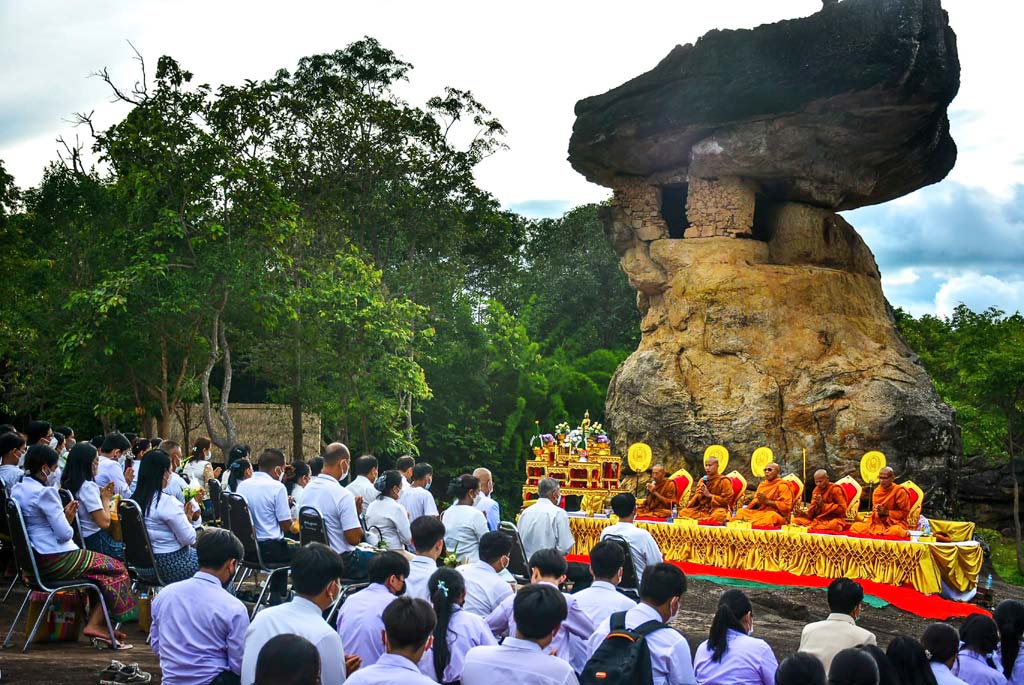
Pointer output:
893, 562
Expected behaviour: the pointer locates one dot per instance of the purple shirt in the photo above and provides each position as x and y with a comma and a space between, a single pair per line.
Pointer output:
360, 624
198, 630
465, 631
972, 668
747, 661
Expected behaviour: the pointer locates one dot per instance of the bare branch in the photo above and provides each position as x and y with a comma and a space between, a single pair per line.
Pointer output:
140, 90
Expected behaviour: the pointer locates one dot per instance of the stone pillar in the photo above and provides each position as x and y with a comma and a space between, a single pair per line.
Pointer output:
719, 207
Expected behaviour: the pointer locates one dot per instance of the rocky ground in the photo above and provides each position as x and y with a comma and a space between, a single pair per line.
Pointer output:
779, 615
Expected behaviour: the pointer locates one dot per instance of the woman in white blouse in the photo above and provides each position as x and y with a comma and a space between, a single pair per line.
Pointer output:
464, 524
168, 521
93, 502
296, 478
387, 515
48, 523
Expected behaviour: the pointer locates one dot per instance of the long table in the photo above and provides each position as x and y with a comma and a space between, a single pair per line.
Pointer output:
923, 565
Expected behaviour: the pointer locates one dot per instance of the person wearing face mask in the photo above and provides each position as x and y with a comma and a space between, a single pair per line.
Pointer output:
198, 467
40, 433
93, 502
12, 449
267, 498
336, 504
168, 521
485, 588
48, 523
359, 618
387, 515
202, 646
365, 470
492, 512
729, 655
112, 451
464, 524
416, 498
428, 541
661, 590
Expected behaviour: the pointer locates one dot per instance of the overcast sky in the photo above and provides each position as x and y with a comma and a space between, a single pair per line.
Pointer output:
529, 62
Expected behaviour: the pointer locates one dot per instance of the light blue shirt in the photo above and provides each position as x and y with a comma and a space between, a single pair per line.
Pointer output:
491, 509
198, 631
972, 668
360, 623
670, 652
465, 631
747, 661
943, 676
299, 617
268, 503
515, 662
390, 669
601, 600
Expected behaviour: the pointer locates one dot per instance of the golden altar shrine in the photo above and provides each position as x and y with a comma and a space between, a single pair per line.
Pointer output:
923, 565
580, 460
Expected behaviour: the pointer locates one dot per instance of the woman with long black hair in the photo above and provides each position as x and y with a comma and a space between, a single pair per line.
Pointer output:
240, 470
974, 664
1009, 616
93, 501
296, 478
910, 661
456, 632
386, 515
730, 654
168, 521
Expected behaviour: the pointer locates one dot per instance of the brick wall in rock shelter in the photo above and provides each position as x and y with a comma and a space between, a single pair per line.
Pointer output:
640, 203
719, 207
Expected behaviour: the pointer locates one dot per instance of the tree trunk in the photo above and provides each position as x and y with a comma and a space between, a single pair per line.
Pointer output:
297, 451
220, 350
1016, 490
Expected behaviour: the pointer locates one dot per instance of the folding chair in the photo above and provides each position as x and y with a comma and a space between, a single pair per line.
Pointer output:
67, 498
138, 551
240, 523
312, 529
26, 561
630, 583
214, 490
518, 564
5, 540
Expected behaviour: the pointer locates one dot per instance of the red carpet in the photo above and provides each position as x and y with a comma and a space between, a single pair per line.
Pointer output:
905, 598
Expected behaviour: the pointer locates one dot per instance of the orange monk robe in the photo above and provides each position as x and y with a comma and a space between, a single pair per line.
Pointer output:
830, 514
656, 508
897, 500
778, 493
714, 509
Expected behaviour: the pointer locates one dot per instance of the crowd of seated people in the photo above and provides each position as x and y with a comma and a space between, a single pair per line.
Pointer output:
397, 615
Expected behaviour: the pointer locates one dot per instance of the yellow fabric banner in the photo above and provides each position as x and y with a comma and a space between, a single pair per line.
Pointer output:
894, 562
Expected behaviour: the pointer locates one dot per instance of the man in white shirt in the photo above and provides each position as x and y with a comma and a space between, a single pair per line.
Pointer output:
12, 446
361, 487
408, 627
359, 619
416, 498
643, 548
483, 499
404, 465
336, 504
521, 659
316, 571
428, 539
110, 471
825, 639
601, 599
547, 567
661, 590
545, 525
271, 516
485, 589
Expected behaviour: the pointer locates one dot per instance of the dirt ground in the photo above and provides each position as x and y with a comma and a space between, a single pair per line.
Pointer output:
779, 615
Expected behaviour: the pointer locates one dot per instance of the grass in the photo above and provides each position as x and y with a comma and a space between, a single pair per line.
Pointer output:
1004, 556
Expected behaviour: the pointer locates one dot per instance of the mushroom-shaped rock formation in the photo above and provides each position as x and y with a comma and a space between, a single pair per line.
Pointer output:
783, 337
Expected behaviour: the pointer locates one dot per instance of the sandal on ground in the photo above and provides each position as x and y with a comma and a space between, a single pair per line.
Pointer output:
104, 643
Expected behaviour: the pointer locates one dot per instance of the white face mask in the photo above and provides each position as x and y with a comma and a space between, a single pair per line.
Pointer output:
344, 476
54, 478
53, 443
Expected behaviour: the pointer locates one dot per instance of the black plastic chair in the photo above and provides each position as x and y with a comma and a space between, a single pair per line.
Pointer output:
311, 526
240, 523
138, 551
67, 498
630, 583
27, 566
214, 490
518, 565
5, 541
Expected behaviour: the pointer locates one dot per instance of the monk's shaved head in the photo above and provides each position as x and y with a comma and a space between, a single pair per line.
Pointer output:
711, 460
888, 470
658, 471
771, 471
821, 472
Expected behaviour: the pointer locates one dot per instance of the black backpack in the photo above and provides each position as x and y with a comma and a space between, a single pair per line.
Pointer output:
623, 657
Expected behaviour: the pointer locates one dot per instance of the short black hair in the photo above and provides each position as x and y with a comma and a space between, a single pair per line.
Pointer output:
10, 441
6, 428
422, 470
314, 566
115, 441
980, 633
624, 504
550, 563
68, 431
538, 611
287, 659
942, 642
606, 559
800, 669
316, 465
36, 431
386, 564
844, 595
662, 582
216, 546
39, 456
270, 459
97, 441
364, 465
494, 545
426, 531
404, 463
853, 666
408, 622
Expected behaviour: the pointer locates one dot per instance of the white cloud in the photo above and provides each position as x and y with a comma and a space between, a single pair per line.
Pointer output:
902, 277
978, 292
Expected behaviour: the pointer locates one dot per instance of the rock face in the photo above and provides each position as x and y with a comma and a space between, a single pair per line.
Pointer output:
764, 321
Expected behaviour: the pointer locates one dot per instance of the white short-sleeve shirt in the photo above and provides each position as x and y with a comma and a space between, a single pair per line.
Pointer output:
89, 500
418, 502
362, 487
601, 600
485, 589
515, 662
168, 526
337, 507
268, 502
671, 663
391, 519
545, 526
643, 548
464, 525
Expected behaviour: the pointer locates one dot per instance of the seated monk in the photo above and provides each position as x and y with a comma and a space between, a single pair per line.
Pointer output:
773, 501
890, 506
711, 500
828, 506
661, 495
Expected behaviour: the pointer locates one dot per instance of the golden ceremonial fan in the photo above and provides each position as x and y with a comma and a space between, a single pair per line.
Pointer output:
761, 457
870, 464
719, 453
639, 457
